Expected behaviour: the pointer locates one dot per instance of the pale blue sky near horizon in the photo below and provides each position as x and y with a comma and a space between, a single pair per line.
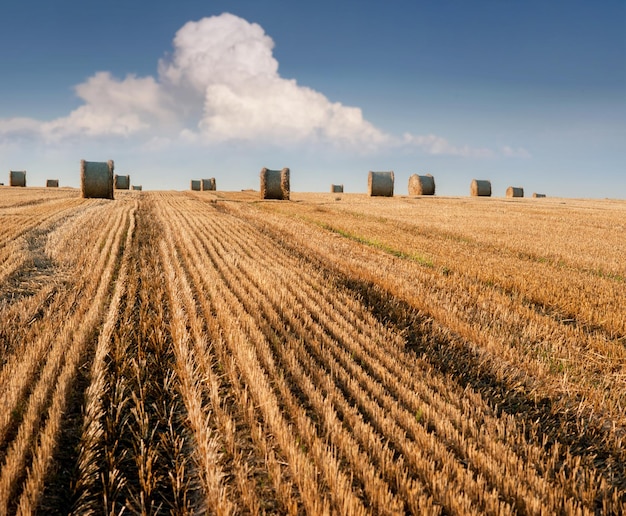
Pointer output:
528, 94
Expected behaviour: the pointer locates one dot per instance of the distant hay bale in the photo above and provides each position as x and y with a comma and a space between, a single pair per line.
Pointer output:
380, 184
137, 188
208, 184
52, 183
480, 188
515, 191
17, 178
96, 179
195, 185
275, 184
538, 195
421, 185
121, 182
336, 188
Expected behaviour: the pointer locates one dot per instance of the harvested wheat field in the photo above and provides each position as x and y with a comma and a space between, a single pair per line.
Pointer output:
209, 352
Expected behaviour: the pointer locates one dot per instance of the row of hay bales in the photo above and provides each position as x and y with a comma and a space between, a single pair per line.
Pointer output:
275, 185
96, 180
99, 181
483, 188
382, 183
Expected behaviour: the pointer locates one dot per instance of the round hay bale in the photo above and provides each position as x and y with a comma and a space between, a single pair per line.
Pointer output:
480, 188
336, 188
96, 179
195, 185
17, 178
421, 185
275, 184
52, 183
380, 184
515, 191
208, 184
137, 188
538, 195
121, 182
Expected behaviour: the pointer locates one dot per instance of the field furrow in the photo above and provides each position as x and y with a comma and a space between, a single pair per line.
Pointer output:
40, 388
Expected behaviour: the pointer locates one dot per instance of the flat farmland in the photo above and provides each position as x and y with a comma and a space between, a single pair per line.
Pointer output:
208, 352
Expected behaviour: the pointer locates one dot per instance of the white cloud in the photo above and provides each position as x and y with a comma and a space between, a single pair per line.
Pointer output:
221, 84
228, 63
436, 145
157, 143
519, 152
221, 49
114, 107
15, 127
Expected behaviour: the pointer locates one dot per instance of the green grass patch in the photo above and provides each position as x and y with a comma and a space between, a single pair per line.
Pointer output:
377, 244
609, 275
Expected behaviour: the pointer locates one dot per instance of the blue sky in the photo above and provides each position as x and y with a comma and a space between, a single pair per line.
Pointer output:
526, 93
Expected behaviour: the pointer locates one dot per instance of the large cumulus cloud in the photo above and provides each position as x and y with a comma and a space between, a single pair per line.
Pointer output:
228, 65
220, 83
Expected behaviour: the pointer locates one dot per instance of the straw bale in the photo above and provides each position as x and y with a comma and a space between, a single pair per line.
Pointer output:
121, 182
137, 188
17, 178
275, 184
208, 184
195, 184
96, 179
421, 185
336, 188
515, 191
480, 188
538, 195
380, 184
52, 183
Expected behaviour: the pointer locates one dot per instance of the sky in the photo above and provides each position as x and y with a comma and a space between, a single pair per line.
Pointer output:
523, 93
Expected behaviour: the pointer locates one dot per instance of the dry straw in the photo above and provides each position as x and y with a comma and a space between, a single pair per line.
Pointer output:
208, 184
275, 184
336, 188
515, 191
137, 188
421, 185
17, 178
121, 182
96, 179
195, 185
480, 188
52, 183
539, 195
380, 184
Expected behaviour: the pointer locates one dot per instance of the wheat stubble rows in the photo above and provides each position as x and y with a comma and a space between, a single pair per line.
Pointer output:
206, 353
